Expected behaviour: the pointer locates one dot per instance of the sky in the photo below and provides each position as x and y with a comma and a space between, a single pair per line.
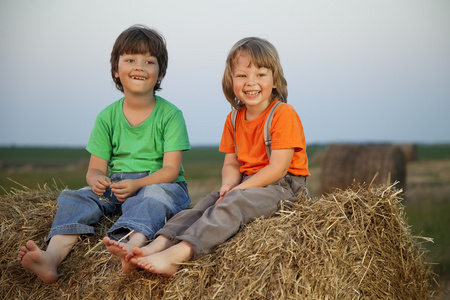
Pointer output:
357, 70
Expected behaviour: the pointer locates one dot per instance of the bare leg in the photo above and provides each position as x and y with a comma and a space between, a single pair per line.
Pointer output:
168, 261
45, 263
159, 244
123, 249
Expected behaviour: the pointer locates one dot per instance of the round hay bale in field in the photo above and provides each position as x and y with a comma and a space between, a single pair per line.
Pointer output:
344, 164
409, 151
352, 244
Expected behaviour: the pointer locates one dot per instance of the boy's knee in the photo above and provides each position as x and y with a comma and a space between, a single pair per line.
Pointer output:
70, 196
65, 196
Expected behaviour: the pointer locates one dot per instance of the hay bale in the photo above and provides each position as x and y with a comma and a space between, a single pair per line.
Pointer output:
409, 152
347, 163
352, 244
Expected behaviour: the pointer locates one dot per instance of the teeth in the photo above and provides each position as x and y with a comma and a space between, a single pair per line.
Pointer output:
138, 78
252, 93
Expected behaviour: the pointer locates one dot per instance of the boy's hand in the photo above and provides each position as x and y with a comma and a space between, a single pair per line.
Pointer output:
124, 189
222, 192
101, 184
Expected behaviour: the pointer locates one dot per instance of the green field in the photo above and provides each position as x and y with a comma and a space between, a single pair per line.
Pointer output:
34, 166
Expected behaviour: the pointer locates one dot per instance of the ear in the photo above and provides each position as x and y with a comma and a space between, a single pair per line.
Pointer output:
116, 74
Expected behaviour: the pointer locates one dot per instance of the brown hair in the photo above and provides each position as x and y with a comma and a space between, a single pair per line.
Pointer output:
139, 39
263, 55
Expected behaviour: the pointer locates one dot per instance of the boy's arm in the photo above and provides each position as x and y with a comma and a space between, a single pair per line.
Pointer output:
278, 167
231, 175
168, 173
96, 176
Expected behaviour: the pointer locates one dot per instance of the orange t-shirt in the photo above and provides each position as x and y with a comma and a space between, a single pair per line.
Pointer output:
286, 132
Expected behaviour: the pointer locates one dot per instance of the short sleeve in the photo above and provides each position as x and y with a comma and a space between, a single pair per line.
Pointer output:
227, 141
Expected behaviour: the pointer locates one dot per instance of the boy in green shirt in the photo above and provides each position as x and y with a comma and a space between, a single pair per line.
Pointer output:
135, 168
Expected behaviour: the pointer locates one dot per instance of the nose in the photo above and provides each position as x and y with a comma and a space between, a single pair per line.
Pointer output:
139, 65
250, 81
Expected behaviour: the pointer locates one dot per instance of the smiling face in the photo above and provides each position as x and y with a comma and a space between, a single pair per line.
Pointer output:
138, 73
252, 85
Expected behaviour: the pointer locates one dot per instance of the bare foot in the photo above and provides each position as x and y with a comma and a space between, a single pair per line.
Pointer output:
137, 252
39, 262
121, 250
168, 261
159, 244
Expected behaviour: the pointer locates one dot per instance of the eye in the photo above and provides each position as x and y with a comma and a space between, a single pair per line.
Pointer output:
150, 62
130, 60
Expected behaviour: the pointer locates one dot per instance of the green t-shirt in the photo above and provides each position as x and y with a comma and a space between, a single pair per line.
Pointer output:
140, 148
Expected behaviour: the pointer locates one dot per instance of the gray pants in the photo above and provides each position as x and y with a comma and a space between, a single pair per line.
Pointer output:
207, 225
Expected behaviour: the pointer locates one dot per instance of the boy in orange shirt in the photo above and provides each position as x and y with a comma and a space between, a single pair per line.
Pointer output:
253, 184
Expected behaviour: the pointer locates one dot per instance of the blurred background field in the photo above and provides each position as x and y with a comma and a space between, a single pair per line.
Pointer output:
426, 199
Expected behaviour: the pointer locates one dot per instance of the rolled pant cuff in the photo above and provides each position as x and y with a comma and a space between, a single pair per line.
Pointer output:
78, 229
195, 242
171, 235
119, 230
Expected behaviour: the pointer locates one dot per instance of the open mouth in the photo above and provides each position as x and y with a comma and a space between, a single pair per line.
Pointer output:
252, 93
138, 77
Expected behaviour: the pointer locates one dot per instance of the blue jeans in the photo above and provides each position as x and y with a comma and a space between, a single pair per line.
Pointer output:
145, 212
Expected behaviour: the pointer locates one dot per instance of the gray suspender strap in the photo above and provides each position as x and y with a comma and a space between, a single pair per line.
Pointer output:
233, 122
267, 126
